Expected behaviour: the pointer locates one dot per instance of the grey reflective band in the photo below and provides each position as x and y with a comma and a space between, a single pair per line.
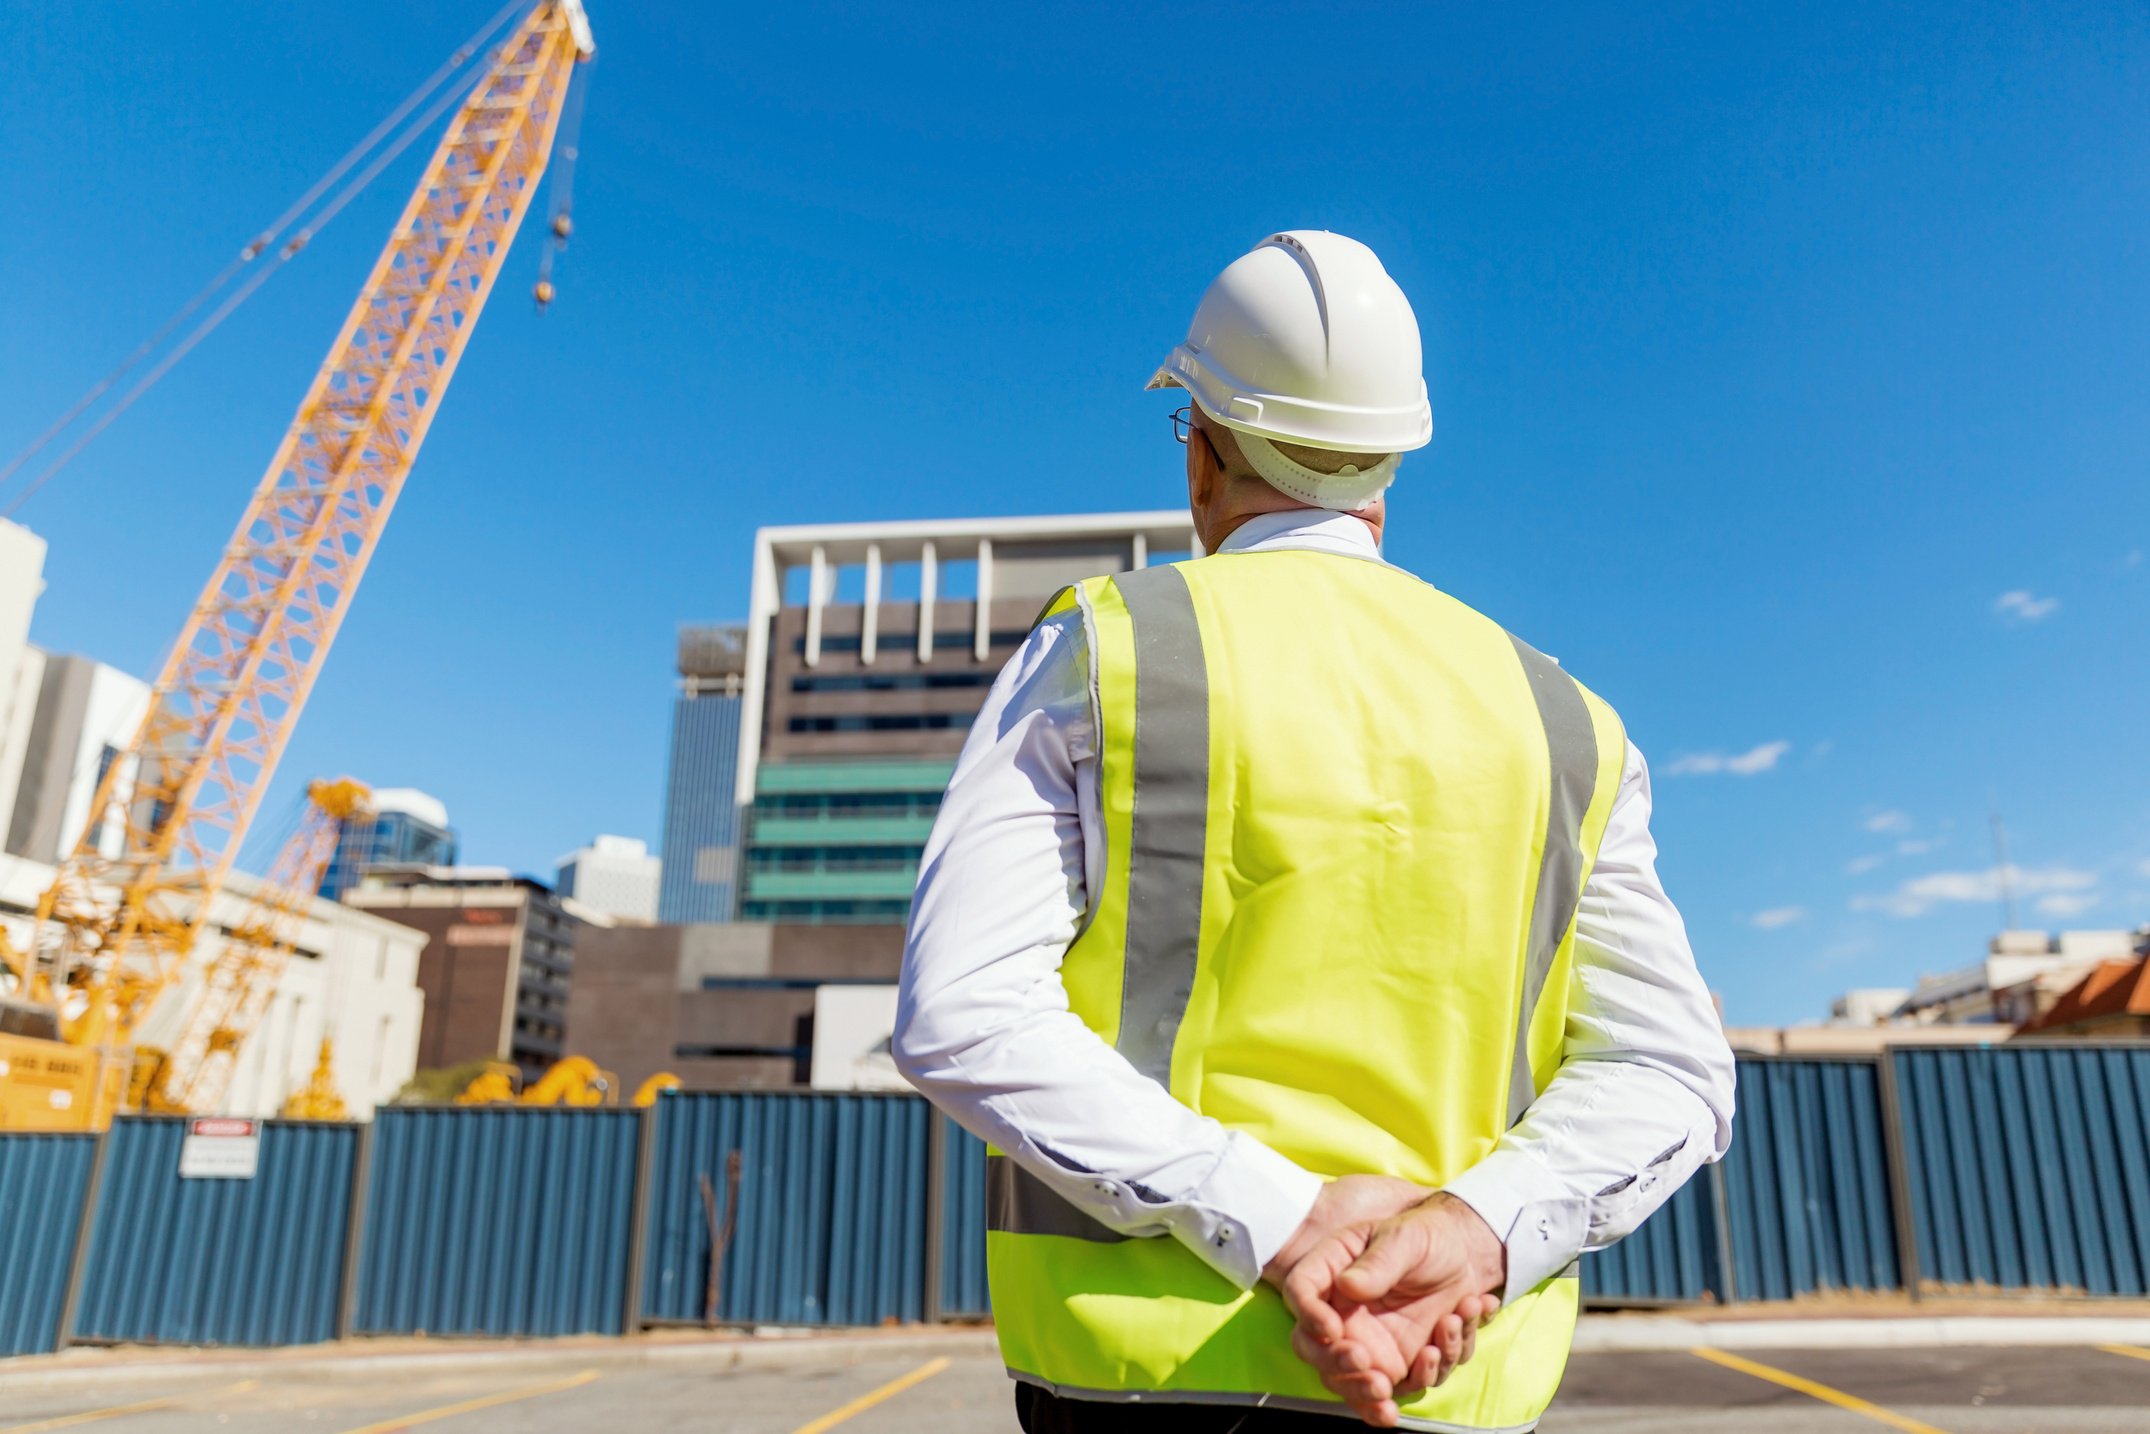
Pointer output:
1571, 742
1170, 818
1019, 1203
1259, 1401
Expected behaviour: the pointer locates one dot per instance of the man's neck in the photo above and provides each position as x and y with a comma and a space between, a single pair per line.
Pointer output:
1300, 512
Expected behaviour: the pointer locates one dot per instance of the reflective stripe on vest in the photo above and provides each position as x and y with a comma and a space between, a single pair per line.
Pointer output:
1354, 778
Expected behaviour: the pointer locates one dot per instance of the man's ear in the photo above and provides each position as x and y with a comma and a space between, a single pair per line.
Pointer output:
1203, 475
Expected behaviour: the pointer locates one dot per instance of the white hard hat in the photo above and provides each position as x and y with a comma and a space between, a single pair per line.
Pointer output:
1306, 340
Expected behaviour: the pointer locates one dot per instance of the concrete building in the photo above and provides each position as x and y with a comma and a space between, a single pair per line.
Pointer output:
2112, 1002
85, 715
723, 1007
615, 875
498, 963
854, 707
351, 976
407, 828
22, 579
699, 876
2024, 975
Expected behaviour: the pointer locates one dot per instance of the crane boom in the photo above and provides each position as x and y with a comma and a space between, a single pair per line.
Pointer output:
114, 929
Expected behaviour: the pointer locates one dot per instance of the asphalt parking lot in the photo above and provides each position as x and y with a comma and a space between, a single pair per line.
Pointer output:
2057, 1390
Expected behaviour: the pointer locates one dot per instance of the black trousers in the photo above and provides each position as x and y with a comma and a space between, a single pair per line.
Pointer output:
1042, 1412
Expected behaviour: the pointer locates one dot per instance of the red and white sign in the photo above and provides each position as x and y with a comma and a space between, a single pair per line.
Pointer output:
220, 1148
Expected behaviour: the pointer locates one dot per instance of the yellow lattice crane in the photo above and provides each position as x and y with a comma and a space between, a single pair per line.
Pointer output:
114, 930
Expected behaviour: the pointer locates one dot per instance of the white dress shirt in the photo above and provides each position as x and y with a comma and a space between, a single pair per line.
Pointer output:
1642, 1100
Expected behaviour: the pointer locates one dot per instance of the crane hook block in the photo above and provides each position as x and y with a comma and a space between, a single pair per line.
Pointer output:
562, 226
544, 292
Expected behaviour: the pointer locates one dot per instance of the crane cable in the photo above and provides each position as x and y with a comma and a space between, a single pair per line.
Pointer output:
254, 249
566, 153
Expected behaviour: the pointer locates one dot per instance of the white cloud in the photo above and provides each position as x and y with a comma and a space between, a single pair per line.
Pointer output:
1919, 846
1777, 916
2067, 903
1860, 866
1921, 894
2144, 868
1889, 821
1739, 764
2019, 605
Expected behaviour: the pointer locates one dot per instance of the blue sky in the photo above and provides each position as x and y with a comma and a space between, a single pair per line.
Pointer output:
1772, 349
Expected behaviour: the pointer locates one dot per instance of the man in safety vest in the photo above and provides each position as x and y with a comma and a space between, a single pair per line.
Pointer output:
1293, 935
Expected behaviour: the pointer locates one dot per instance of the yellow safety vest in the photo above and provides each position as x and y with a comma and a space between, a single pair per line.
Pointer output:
1347, 823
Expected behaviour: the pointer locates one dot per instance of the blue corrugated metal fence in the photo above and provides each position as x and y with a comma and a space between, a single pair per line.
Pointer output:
254, 1262
960, 1292
43, 1182
1674, 1257
1807, 1181
2016, 1168
2029, 1167
830, 1225
498, 1220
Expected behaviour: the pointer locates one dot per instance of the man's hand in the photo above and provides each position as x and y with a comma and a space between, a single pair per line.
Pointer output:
1387, 1307
1343, 1202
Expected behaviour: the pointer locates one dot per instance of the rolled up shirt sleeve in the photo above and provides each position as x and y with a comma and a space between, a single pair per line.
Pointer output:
983, 1026
1644, 1096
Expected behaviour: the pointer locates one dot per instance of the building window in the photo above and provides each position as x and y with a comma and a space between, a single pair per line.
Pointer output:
835, 858
894, 681
883, 722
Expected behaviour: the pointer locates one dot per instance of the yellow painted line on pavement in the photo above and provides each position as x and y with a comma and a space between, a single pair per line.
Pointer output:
1814, 1390
2127, 1351
471, 1406
146, 1406
868, 1400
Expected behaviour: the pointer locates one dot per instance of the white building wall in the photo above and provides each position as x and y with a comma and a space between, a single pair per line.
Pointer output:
22, 568
118, 702
615, 875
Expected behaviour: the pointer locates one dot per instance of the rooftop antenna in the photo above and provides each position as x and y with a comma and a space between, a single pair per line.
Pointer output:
2005, 872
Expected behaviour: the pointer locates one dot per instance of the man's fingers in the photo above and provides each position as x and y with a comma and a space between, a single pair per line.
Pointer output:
1307, 1289
1470, 1342
1382, 1415
1425, 1373
1448, 1338
1339, 1357
1364, 1385
1396, 1246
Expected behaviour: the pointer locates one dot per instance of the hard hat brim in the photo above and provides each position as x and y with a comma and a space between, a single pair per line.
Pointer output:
1282, 418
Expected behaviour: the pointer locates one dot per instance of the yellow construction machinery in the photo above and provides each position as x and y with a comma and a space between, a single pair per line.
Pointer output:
575, 1080
319, 1099
119, 923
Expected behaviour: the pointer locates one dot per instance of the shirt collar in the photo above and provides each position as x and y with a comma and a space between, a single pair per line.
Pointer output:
1317, 529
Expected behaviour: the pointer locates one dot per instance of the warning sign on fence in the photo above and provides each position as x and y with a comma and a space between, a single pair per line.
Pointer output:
220, 1149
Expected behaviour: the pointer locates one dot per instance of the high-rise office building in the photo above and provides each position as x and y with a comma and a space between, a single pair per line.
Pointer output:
854, 708
613, 874
700, 873
406, 828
